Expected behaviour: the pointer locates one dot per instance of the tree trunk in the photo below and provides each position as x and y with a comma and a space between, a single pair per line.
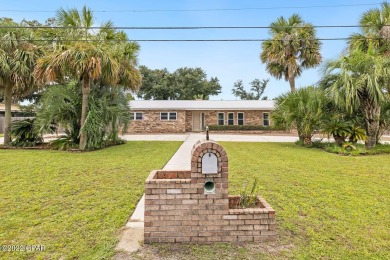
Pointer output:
307, 140
7, 103
86, 89
339, 140
291, 80
372, 114
300, 135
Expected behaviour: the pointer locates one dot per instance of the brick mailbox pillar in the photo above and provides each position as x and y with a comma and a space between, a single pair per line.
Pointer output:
194, 206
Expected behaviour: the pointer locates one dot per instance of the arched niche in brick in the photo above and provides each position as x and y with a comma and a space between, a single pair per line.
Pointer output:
205, 148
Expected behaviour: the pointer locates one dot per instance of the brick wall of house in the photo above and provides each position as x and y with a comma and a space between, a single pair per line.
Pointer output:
178, 210
188, 121
251, 117
151, 123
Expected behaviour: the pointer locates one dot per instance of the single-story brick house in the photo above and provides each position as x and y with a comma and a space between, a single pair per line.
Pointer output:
179, 116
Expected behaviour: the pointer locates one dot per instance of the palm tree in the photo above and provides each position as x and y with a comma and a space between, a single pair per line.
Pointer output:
292, 48
358, 83
302, 109
104, 56
17, 60
375, 30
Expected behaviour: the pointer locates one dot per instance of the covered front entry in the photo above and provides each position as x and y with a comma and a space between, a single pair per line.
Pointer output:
198, 121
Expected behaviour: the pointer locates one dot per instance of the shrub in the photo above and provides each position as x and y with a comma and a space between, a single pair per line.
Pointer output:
340, 129
63, 143
25, 134
302, 110
240, 128
108, 115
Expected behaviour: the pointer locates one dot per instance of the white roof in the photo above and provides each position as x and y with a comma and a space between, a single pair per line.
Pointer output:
201, 104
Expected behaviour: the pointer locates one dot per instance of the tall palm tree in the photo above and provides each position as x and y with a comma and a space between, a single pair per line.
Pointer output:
102, 56
17, 59
375, 30
292, 48
358, 83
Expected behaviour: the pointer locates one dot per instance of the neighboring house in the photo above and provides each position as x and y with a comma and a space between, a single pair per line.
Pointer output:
178, 116
16, 114
15, 110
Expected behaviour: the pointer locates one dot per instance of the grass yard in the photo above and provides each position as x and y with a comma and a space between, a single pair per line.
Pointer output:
73, 203
327, 206
1, 135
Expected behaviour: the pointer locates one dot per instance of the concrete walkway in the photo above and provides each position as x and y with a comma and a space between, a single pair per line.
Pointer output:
133, 233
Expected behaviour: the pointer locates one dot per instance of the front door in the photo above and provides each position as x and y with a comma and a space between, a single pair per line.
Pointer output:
196, 121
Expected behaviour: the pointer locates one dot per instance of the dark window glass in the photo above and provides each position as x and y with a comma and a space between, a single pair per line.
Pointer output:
265, 119
240, 118
139, 116
164, 116
231, 119
172, 116
221, 118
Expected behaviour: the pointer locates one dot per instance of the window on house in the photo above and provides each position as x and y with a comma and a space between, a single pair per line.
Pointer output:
172, 116
240, 118
221, 118
164, 116
230, 119
265, 119
136, 116
168, 116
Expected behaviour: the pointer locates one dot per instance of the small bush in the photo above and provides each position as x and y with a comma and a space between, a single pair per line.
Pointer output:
63, 143
357, 149
248, 197
240, 128
24, 133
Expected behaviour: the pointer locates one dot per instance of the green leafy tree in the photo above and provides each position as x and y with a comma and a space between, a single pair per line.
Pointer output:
302, 110
156, 84
103, 56
183, 84
292, 48
255, 93
193, 81
18, 55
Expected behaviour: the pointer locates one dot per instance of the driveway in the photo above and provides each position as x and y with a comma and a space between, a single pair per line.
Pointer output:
215, 137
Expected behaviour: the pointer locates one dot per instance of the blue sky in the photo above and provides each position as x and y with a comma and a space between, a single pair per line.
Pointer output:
229, 61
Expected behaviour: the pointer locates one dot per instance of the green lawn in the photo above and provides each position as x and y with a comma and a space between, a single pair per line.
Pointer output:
327, 206
73, 203
1, 135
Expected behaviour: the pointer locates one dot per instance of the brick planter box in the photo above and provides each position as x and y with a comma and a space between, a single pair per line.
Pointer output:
194, 206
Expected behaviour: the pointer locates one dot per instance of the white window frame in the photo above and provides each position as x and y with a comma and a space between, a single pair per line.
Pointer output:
135, 116
223, 120
168, 116
227, 118
243, 118
269, 121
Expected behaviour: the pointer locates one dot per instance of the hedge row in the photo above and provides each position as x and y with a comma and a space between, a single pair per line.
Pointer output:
240, 128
